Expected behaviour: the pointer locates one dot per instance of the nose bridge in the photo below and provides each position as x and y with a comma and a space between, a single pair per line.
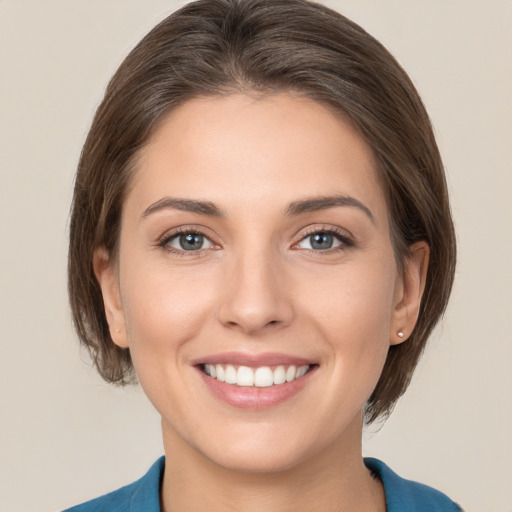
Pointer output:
255, 295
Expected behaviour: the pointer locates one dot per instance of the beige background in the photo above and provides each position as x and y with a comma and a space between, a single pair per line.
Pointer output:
65, 435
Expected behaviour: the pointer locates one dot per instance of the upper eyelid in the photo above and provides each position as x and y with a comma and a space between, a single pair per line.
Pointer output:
335, 230
345, 239
172, 233
165, 241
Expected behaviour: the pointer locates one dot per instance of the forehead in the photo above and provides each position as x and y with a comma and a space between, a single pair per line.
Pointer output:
249, 151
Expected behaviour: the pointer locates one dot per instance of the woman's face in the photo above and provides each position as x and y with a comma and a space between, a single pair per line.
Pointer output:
255, 246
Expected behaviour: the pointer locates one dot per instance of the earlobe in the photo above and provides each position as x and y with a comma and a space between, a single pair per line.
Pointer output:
409, 293
107, 278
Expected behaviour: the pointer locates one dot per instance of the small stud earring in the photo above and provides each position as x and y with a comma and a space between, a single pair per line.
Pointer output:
118, 330
400, 334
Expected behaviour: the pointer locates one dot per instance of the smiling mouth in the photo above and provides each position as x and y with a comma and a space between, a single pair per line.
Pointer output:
260, 377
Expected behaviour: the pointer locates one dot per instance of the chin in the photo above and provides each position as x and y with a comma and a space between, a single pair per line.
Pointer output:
254, 458
264, 448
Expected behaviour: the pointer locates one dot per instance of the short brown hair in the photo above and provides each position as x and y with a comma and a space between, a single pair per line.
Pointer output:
217, 47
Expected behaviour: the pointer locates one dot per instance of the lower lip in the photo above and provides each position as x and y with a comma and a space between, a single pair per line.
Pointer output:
254, 397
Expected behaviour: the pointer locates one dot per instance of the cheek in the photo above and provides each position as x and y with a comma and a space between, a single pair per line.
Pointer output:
163, 309
358, 299
354, 319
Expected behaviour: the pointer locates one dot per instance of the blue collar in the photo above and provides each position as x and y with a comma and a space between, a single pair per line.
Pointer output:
401, 495
407, 496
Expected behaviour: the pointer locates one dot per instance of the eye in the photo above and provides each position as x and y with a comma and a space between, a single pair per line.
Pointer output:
190, 241
323, 240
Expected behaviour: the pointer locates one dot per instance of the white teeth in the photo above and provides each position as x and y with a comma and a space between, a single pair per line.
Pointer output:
301, 371
230, 375
279, 375
260, 377
263, 377
245, 376
210, 370
290, 373
219, 370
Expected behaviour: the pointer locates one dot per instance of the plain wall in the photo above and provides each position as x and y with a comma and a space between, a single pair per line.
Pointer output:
65, 435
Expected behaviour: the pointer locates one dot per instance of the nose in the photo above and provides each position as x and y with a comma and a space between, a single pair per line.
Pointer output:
257, 296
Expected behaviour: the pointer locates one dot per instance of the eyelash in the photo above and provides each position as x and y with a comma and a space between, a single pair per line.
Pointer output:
345, 241
342, 236
182, 253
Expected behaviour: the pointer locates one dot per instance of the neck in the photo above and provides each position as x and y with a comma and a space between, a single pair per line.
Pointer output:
328, 482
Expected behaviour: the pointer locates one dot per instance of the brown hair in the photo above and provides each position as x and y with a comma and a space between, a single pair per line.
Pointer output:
213, 47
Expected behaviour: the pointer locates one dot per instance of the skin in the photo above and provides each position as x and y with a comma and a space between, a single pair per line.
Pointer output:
258, 285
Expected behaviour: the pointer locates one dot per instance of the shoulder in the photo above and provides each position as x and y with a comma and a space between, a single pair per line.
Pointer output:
144, 494
407, 496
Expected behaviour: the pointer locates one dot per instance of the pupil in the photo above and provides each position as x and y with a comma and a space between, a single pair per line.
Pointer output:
321, 241
191, 241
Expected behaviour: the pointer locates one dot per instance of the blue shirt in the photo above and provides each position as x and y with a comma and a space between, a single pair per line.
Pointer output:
144, 494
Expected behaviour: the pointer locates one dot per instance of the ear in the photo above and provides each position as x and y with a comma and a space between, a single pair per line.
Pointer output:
108, 280
408, 293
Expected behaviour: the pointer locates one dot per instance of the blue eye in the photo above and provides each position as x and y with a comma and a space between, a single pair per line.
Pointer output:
188, 241
323, 241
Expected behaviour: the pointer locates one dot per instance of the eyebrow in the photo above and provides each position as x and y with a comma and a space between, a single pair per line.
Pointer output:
323, 202
186, 205
311, 204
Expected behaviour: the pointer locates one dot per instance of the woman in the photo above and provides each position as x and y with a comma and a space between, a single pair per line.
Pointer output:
261, 234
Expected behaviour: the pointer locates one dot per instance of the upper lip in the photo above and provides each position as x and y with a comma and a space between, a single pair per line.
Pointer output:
253, 360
